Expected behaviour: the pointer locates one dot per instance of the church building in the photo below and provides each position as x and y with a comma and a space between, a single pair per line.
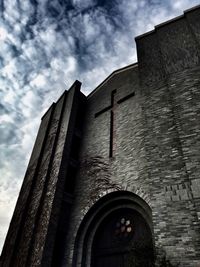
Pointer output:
114, 177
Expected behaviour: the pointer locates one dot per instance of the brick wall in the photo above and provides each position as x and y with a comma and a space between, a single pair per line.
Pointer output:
156, 140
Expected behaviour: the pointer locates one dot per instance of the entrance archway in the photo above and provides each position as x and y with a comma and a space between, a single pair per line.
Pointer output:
116, 232
122, 240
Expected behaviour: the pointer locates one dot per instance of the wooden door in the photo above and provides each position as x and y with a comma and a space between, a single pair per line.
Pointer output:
123, 240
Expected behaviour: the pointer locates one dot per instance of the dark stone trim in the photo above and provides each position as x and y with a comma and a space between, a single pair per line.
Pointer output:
125, 98
102, 111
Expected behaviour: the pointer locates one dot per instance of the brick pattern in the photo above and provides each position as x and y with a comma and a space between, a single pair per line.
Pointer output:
157, 136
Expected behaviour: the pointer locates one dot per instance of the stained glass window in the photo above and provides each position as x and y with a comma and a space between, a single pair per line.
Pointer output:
123, 227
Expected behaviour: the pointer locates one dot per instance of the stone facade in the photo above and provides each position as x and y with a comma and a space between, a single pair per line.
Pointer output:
153, 107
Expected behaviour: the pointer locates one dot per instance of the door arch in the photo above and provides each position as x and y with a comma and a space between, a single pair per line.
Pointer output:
122, 240
104, 215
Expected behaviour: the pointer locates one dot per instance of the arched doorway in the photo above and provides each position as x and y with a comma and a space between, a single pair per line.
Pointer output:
116, 232
123, 240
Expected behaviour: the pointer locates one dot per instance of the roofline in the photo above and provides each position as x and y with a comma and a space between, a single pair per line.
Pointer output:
76, 83
192, 9
134, 65
167, 22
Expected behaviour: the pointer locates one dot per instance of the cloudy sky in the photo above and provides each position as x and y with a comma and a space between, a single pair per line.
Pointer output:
45, 46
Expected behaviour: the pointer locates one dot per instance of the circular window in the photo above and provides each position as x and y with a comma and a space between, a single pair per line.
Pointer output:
123, 228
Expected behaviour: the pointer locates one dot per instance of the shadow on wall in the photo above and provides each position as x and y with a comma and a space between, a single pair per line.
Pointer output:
164, 262
100, 176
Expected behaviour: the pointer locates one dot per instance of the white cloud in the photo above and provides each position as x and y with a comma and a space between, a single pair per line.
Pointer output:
5, 118
38, 81
10, 97
29, 131
181, 5
3, 34
9, 70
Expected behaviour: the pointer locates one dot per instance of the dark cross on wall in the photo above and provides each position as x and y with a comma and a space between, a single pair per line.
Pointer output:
112, 108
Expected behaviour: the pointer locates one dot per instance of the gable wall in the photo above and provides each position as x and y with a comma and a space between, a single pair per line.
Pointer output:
157, 140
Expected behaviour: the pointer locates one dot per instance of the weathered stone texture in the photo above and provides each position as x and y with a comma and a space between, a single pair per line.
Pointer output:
49, 218
178, 47
50, 186
157, 142
193, 22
